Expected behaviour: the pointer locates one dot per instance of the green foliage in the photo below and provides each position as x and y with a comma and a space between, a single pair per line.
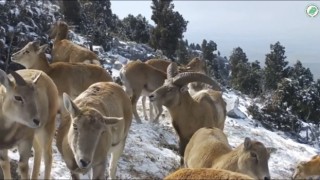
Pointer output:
97, 21
170, 26
71, 11
182, 53
136, 28
245, 76
274, 117
275, 65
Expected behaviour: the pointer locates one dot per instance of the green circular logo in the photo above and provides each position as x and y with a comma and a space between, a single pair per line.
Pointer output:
312, 10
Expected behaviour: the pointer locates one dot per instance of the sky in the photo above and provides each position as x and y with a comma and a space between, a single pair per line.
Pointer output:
251, 25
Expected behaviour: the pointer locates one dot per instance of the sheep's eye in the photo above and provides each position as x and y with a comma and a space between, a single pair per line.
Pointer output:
254, 155
75, 127
27, 52
18, 98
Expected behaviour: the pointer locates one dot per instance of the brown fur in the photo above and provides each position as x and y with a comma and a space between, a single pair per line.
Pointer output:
204, 109
100, 137
138, 78
159, 64
17, 121
205, 173
306, 169
209, 148
66, 51
71, 78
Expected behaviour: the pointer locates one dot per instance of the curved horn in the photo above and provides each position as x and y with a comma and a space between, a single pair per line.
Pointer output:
172, 70
19, 80
188, 77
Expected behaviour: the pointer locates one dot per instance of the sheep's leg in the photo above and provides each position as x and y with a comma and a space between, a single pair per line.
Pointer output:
37, 159
143, 100
151, 108
116, 152
45, 137
24, 149
98, 171
5, 164
159, 111
134, 101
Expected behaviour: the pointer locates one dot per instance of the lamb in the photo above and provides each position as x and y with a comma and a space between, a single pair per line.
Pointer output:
209, 148
72, 78
204, 109
205, 173
28, 107
306, 169
97, 125
65, 50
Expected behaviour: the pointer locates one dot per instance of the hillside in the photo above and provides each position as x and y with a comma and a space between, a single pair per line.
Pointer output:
151, 149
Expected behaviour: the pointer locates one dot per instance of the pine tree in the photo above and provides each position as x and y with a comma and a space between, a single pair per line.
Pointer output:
302, 74
182, 53
136, 28
97, 21
275, 66
170, 26
237, 59
71, 11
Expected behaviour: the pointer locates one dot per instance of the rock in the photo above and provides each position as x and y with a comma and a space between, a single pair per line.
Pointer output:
236, 112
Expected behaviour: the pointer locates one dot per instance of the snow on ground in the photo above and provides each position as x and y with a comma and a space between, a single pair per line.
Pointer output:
151, 149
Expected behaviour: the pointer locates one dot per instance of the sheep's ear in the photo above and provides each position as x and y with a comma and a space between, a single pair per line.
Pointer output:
4, 80
247, 143
70, 106
42, 49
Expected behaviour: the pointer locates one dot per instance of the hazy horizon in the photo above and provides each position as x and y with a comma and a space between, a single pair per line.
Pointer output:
251, 25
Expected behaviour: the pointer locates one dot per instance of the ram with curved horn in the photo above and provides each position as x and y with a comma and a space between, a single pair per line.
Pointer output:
204, 109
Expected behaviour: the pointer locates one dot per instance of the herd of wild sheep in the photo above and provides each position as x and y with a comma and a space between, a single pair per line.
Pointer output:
96, 114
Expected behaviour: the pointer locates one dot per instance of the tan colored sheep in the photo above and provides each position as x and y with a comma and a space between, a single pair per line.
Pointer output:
209, 148
65, 50
28, 107
307, 169
205, 173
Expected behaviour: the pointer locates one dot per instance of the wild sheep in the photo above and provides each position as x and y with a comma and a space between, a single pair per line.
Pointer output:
97, 125
28, 107
209, 148
307, 169
72, 78
205, 173
140, 78
161, 65
195, 65
204, 109
64, 50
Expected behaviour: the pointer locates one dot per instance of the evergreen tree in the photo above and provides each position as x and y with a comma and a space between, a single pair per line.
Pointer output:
136, 28
170, 26
198, 47
97, 21
71, 11
302, 74
238, 60
182, 53
275, 66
